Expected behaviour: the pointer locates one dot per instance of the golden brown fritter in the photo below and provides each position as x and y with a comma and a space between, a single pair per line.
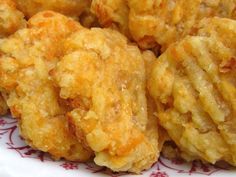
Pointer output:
162, 22
71, 8
193, 84
10, 18
25, 62
103, 78
112, 13
156, 24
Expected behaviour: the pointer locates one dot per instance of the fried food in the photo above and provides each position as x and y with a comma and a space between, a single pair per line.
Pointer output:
149, 59
159, 23
11, 18
103, 78
26, 60
71, 8
193, 84
112, 13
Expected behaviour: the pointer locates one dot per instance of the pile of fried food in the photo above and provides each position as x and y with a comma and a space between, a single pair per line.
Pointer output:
121, 81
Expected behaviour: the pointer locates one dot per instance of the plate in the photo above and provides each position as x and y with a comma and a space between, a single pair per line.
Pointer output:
19, 160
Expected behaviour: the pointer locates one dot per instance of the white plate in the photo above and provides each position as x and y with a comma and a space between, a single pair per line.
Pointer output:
19, 160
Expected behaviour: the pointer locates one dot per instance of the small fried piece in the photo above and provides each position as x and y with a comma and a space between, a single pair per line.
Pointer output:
193, 84
26, 60
71, 8
159, 23
11, 19
103, 78
112, 13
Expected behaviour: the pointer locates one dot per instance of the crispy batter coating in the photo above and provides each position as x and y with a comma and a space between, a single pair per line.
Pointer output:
103, 78
193, 84
112, 13
11, 18
67, 7
156, 24
25, 62
162, 22
149, 59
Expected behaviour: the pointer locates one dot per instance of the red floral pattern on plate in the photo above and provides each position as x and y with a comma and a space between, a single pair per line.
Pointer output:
159, 174
70, 166
9, 136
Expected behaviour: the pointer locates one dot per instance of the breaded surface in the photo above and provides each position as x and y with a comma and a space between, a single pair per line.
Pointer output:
103, 78
25, 62
149, 59
193, 84
162, 22
10, 18
67, 7
112, 13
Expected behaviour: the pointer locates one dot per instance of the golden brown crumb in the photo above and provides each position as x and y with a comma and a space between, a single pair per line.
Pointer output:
105, 77
112, 13
167, 21
156, 24
25, 62
10, 21
71, 8
195, 99
11, 18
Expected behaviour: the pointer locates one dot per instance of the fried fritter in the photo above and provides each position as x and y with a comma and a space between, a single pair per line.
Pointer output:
26, 60
11, 18
71, 8
159, 23
193, 84
156, 24
103, 78
112, 13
